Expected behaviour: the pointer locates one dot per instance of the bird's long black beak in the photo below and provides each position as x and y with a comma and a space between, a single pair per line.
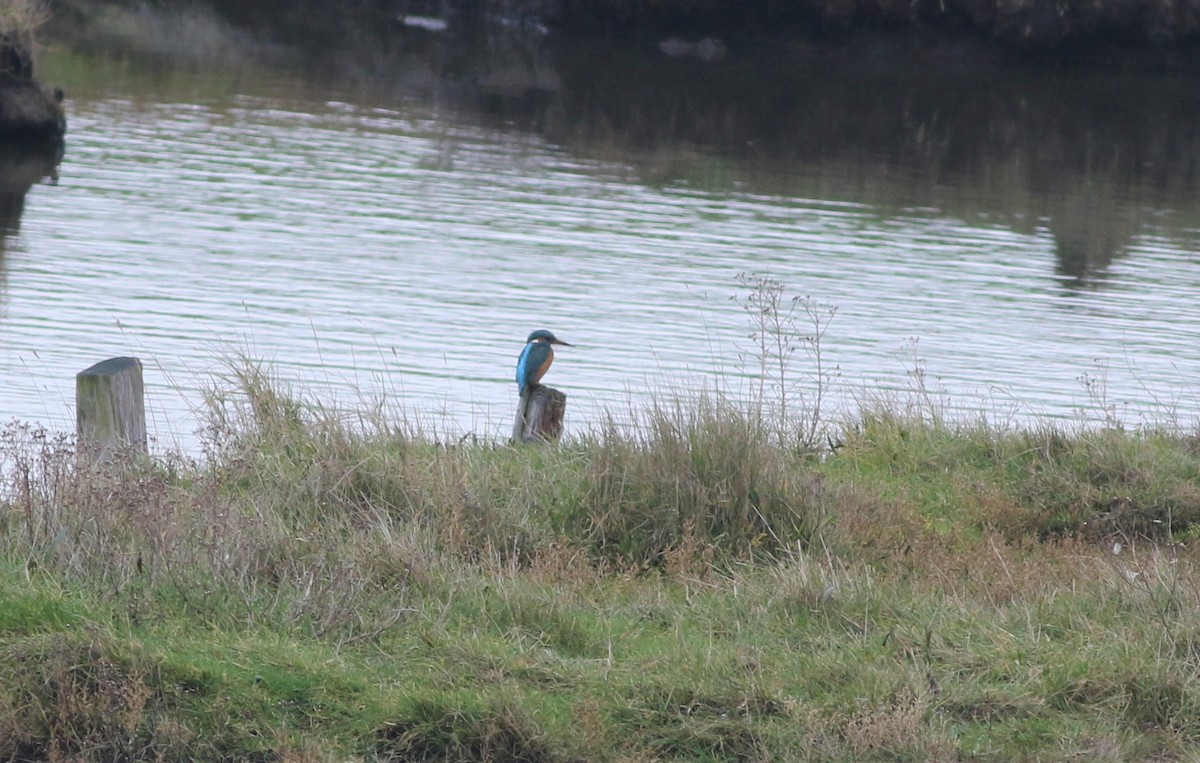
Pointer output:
559, 341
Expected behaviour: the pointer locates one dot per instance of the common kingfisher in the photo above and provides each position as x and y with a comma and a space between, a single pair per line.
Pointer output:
536, 358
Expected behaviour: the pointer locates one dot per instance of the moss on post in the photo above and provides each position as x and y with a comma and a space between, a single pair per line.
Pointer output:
540, 415
110, 413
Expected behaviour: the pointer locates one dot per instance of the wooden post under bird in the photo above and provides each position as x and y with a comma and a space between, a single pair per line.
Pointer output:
540, 415
541, 409
110, 412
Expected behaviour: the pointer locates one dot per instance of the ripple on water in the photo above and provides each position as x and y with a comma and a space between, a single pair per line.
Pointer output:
367, 253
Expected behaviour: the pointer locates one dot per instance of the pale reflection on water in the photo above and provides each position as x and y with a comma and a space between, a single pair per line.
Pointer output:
405, 251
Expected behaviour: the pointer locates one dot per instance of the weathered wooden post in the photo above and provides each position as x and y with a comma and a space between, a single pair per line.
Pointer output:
110, 412
540, 415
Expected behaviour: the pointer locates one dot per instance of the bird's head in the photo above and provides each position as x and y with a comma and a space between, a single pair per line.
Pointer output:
542, 335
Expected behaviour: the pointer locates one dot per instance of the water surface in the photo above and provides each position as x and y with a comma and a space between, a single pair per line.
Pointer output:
1032, 247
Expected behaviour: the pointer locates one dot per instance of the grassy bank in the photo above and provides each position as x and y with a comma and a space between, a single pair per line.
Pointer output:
691, 587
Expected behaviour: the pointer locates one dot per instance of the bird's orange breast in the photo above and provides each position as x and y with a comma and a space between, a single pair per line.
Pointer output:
543, 368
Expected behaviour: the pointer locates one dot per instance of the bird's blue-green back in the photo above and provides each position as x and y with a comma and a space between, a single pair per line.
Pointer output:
535, 359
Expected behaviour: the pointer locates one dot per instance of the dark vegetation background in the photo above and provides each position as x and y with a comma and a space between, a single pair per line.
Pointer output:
1155, 33
1061, 29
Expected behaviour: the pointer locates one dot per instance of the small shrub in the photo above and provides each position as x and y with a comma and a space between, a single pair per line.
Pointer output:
1108, 484
65, 696
443, 730
704, 476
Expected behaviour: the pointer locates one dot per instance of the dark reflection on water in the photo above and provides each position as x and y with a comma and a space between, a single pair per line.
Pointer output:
1090, 157
1087, 155
22, 164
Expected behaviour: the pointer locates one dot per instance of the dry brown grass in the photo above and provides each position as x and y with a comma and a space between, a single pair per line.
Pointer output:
73, 697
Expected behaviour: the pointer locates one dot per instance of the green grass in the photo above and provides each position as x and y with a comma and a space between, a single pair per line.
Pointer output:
686, 588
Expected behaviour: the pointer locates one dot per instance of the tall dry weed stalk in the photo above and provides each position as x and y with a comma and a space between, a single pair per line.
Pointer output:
788, 401
1095, 387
